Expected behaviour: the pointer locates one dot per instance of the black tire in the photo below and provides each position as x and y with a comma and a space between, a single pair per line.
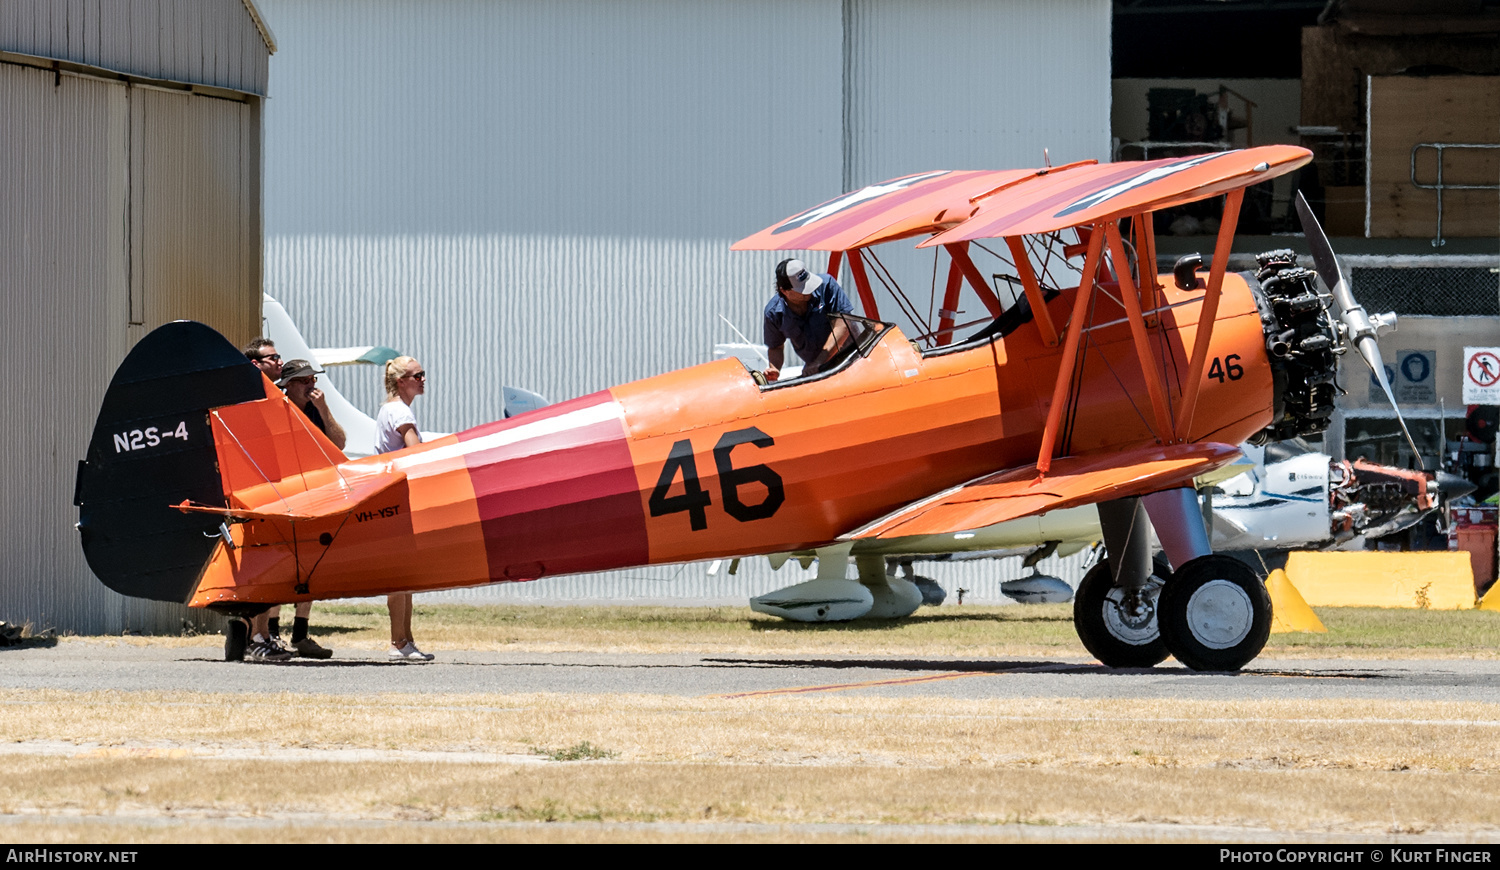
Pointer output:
236, 637
1117, 638
1215, 614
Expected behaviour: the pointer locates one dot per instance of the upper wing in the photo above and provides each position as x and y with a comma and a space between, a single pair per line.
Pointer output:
1072, 481
911, 205
1089, 194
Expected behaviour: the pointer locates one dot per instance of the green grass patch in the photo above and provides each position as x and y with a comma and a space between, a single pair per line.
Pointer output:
581, 751
1397, 631
979, 630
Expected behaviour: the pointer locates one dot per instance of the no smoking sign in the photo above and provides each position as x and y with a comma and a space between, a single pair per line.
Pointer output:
1482, 375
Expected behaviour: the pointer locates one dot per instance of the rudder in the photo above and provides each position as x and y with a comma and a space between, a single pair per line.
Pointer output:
152, 448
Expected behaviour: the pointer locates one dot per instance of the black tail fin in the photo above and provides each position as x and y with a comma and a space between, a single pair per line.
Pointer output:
152, 448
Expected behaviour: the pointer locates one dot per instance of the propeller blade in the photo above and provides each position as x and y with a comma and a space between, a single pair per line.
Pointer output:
1359, 327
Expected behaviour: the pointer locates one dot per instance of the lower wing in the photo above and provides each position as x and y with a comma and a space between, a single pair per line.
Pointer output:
1071, 482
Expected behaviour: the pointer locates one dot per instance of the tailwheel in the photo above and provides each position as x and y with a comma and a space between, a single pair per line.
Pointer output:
236, 637
1119, 626
1215, 614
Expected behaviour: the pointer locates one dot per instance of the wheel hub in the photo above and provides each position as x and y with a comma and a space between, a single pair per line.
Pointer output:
1220, 614
1130, 614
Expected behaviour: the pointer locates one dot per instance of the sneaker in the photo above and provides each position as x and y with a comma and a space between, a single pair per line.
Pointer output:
265, 651
409, 653
310, 649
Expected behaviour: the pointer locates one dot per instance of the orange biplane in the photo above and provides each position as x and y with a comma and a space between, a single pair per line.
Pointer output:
204, 485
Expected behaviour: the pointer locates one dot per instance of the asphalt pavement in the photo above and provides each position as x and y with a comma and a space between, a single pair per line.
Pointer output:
92, 665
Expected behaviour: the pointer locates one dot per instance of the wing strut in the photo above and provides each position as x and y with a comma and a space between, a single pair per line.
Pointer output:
1130, 297
862, 284
1205, 331
1033, 289
1070, 351
949, 312
959, 252
1145, 247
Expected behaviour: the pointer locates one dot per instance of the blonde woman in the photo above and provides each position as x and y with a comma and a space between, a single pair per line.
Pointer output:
396, 429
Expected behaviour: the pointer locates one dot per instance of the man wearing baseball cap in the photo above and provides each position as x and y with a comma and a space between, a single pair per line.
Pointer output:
804, 311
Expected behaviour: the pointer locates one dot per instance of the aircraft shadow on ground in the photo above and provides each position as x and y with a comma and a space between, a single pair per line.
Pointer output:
943, 666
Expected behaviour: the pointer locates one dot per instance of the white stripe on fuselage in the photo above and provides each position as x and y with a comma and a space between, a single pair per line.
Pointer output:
579, 419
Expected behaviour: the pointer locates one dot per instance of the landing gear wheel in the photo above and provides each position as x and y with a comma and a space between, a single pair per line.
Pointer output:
236, 637
1118, 626
1215, 614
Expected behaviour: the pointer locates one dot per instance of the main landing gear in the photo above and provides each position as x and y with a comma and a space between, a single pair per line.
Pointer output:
1212, 614
1117, 625
1215, 614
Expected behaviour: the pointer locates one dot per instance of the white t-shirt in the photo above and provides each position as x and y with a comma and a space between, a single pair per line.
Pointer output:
393, 415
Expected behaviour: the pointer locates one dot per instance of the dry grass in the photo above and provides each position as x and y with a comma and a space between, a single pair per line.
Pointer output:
1333, 766
185, 766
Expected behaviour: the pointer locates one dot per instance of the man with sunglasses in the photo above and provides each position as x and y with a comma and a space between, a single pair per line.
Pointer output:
262, 352
299, 380
265, 635
804, 311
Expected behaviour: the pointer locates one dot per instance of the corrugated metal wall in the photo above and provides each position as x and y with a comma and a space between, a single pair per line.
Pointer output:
63, 186
975, 84
544, 193
194, 189
205, 42
111, 193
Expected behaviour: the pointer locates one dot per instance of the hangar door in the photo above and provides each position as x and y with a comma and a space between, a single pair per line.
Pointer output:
123, 206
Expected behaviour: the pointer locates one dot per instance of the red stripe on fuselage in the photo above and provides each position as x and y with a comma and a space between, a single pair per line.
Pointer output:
560, 502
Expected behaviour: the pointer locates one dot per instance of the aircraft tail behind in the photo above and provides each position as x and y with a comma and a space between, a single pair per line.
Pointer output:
161, 439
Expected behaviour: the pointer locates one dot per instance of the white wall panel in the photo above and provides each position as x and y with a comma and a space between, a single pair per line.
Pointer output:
975, 84
539, 193
544, 193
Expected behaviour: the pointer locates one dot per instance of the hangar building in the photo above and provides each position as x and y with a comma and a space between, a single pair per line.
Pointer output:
129, 197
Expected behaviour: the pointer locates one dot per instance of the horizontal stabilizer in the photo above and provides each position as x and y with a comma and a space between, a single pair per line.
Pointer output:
1072, 481
332, 500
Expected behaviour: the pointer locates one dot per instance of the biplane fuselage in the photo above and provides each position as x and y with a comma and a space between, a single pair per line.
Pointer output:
706, 462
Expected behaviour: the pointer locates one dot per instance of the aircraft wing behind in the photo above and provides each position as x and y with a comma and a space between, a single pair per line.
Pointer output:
1072, 481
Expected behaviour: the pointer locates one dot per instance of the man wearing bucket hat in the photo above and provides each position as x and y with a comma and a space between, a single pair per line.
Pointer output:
804, 311
299, 379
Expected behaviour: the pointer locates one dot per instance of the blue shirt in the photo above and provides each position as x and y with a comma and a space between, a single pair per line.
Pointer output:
808, 332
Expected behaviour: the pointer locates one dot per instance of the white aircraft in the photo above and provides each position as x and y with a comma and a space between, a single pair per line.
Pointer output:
359, 427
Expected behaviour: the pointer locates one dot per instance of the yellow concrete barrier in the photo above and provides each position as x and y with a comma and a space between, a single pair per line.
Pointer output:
1429, 581
1288, 611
